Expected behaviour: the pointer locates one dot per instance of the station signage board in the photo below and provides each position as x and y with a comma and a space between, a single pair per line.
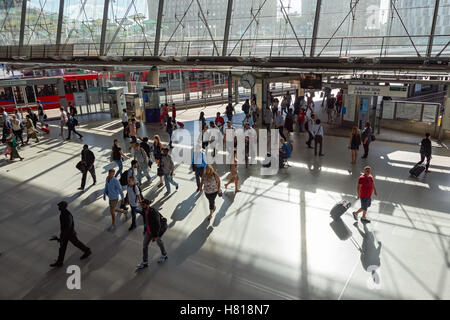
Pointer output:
386, 91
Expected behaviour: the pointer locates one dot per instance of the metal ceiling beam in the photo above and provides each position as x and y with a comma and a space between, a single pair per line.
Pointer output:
158, 27
226, 34
22, 25
404, 27
104, 25
315, 28
60, 21
433, 28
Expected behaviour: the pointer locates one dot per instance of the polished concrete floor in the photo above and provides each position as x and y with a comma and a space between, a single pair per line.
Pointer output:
274, 240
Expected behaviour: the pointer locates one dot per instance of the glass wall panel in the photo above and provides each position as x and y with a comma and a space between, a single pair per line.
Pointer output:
442, 31
184, 30
131, 27
10, 12
82, 24
41, 22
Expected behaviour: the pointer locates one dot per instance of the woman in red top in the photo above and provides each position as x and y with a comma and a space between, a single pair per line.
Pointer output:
301, 119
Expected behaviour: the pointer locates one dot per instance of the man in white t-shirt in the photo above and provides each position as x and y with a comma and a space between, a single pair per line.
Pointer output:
125, 123
63, 116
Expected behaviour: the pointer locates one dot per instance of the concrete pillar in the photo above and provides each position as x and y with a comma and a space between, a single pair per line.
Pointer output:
236, 91
258, 90
153, 77
445, 120
61, 93
230, 88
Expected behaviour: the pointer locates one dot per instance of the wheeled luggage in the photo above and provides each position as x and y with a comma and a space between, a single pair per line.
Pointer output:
417, 170
45, 129
339, 209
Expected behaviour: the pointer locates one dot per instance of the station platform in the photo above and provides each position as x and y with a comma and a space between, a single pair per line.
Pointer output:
273, 240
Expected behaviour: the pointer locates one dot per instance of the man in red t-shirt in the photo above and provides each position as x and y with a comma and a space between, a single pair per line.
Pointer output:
365, 188
219, 121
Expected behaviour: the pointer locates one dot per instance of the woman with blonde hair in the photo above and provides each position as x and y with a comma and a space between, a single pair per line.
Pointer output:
211, 181
355, 142
157, 154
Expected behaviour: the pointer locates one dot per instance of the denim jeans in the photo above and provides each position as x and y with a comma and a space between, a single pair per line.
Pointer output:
119, 163
168, 179
142, 172
133, 214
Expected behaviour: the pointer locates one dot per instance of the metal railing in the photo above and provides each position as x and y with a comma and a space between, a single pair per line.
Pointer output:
376, 46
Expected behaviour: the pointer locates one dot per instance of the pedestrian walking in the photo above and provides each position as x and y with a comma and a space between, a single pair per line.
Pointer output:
133, 130
134, 197
289, 122
141, 157
67, 234
233, 176
113, 189
168, 167
301, 119
72, 123
174, 113
117, 156
12, 144
318, 137
31, 131
229, 110
366, 137
254, 111
331, 101
169, 130
251, 140
17, 128
126, 130
211, 182
425, 151
155, 225
157, 154
41, 114
365, 188
268, 118
63, 121
219, 122
279, 124
309, 126
198, 165
246, 107
355, 142
87, 160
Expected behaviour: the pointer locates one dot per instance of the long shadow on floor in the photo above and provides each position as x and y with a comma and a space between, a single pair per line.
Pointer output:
228, 199
193, 242
184, 208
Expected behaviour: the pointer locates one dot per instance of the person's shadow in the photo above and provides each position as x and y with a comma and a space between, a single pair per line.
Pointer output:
370, 254
193, 243
183, 208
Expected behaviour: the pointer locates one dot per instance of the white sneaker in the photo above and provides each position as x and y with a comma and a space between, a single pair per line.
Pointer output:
142, 265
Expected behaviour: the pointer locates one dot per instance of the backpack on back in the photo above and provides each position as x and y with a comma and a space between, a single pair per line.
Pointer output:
124, 178
162, 220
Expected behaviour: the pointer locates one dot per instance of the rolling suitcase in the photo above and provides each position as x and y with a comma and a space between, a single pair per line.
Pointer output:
417, 170
339, 209
45, 129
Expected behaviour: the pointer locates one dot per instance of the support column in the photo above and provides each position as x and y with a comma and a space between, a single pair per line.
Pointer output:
264, 99
236, 91
104, 25
153, 77
444, 121
158, 27
22, 25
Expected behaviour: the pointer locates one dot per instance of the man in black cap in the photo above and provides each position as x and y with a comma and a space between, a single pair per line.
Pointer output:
67, 234
154, 227
87, 159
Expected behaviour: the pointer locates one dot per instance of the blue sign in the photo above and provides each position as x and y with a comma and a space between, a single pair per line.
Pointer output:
364, 105
344, 110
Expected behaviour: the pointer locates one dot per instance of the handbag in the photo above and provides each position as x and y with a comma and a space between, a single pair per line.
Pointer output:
81, 166
160, 172
372, 137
